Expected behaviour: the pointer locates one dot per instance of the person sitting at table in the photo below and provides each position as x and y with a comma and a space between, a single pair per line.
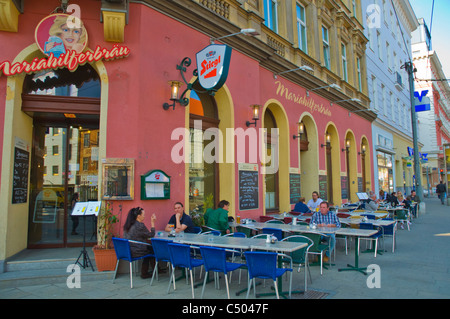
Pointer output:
314, 203
301, 207
414, 198
326, 218
393, 199
372, 203
218, 218
180, 221
135, 229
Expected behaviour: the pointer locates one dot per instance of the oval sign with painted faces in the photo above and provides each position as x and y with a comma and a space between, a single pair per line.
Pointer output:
60, 33
212, 66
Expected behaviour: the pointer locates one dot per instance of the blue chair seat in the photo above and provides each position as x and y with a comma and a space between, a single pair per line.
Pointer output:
123, 252
264, 265
180, 256
215, 259
161, 250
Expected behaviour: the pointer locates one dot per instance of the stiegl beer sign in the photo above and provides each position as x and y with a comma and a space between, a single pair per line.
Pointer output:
63, 42
212, 66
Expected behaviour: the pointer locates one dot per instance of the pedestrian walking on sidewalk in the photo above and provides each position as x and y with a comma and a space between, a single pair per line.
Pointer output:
441, 190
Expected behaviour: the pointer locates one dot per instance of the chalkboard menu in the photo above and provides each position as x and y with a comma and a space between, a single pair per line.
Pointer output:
323, 187
344, 187
20, 176
294, 186
360, 185
248, 187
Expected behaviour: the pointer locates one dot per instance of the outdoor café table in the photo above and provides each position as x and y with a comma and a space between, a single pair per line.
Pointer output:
377, 215
236, 243
356, 233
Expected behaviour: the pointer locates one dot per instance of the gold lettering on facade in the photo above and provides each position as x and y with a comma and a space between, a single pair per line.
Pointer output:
303, 100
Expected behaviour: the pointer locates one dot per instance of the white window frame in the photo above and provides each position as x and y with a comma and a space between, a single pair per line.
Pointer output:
326, 48
301, 28
271, 14
344, 62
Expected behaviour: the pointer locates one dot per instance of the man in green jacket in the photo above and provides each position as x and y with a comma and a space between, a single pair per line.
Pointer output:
218, 219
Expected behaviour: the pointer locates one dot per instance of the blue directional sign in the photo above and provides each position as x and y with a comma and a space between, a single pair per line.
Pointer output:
422, 103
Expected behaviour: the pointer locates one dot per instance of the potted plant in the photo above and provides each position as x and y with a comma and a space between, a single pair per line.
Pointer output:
105, 256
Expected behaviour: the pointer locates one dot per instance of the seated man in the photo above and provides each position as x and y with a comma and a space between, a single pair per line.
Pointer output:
314, 203
372, 203
180, 221
301, 207
218, 219
326, 218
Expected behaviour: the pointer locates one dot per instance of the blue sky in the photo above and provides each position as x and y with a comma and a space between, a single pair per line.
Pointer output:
439, 27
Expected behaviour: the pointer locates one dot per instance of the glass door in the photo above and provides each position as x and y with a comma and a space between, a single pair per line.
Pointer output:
64, 170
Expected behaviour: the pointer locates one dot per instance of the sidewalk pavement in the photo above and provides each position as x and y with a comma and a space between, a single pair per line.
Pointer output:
419, 269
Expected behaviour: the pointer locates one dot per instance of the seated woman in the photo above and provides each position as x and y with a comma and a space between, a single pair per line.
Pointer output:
135, 229
301, 207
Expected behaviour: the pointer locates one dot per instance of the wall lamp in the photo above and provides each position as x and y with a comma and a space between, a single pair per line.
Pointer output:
334, 86
176, 85
347, 146
251, 32
363, 150
301, 130
328, 139
353, 100
303, 68
255, 112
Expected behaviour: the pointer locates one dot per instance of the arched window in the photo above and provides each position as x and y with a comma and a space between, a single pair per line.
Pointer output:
203, 171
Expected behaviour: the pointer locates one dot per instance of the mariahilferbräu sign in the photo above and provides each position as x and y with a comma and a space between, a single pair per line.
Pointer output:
62, 40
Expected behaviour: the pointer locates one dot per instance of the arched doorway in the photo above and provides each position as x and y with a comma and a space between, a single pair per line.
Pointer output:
276, 166
350, 151
65, 108
204, 149
365, 166
330, 185
309, 165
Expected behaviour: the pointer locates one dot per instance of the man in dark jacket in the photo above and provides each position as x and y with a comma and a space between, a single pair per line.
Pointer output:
441, 190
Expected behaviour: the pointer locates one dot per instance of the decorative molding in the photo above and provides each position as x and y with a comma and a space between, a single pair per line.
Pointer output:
9, 16
114, 26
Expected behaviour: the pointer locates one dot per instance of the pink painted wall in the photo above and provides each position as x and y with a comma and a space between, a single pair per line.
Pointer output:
137, 125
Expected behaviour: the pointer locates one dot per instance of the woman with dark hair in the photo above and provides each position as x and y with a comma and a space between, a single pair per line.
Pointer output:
135, 229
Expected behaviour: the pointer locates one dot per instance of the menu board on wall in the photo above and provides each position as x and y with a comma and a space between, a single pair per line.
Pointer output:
344, 187
360, 185
294, 187
323, 187
248, 186
20, 174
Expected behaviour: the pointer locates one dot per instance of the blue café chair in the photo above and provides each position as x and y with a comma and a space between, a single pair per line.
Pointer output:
278, 233
197, 230
161, 250
264, 265
215, 259
123, 252
371, 238
180, 256
389, 231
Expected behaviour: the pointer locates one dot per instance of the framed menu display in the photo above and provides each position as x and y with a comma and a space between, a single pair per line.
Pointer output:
155, 185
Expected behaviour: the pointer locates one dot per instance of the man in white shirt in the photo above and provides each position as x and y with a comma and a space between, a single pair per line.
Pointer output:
314, 203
